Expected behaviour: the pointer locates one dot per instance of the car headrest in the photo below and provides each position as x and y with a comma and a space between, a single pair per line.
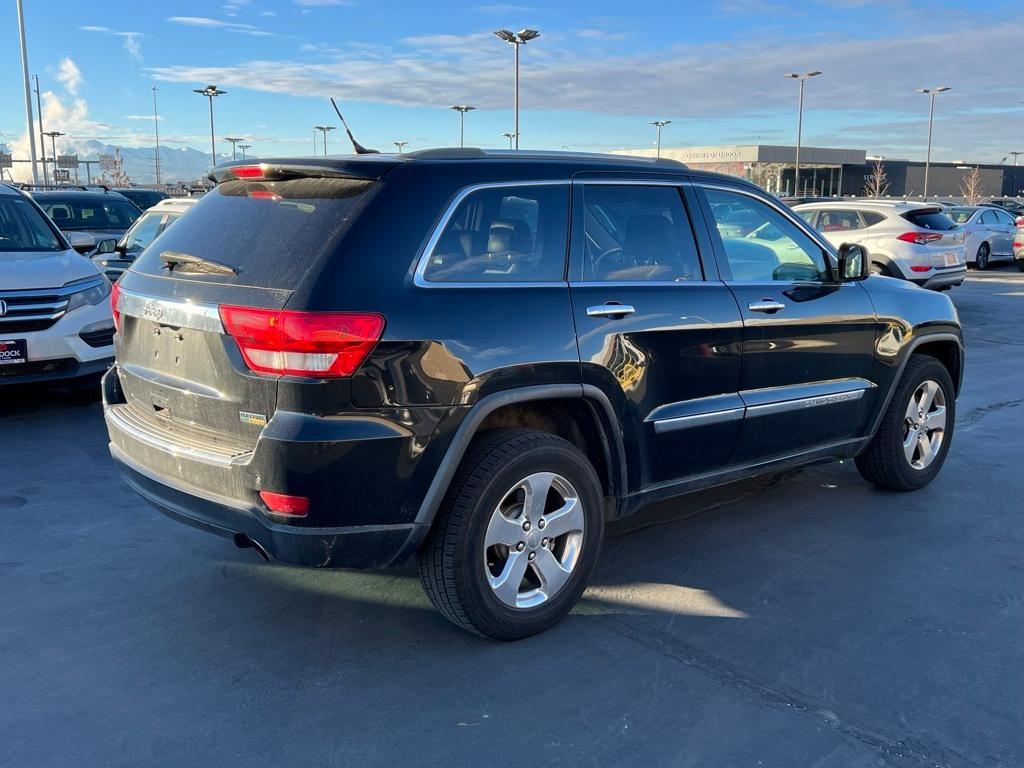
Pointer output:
650, 235
509, 235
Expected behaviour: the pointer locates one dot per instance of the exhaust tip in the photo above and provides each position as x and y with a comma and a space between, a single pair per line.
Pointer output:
244, 542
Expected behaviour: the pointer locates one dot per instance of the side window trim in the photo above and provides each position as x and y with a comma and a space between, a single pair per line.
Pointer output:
709, 221
691, 206
423, 259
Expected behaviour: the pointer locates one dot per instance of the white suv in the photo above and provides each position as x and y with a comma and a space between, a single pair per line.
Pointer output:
914, 241
55, 316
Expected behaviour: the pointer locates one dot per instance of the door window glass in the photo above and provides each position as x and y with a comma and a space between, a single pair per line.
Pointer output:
769, 246
638, 233
839, 221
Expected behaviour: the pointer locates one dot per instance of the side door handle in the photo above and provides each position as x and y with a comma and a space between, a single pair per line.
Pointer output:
610, 310
769, 306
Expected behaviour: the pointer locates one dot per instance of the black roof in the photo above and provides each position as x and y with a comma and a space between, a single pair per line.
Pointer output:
76, 194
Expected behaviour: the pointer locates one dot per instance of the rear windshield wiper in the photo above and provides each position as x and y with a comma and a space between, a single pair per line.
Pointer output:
186, 262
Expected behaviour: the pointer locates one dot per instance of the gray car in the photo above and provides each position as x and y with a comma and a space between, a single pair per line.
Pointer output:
989, 233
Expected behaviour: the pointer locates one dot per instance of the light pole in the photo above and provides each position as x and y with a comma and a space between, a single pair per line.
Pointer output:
28, 94
516, 39
509, 135
931, 93
800, 123
42, 141
210, 92
324, 129
234, 141
156, 132
659, 124
399, 144
53, 147
244, 147
462, 109
1014, 155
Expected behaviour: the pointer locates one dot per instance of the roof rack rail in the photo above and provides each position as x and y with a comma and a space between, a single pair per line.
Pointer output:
477, 153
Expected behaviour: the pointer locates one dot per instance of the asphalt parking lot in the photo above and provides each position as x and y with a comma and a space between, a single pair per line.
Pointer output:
792, 620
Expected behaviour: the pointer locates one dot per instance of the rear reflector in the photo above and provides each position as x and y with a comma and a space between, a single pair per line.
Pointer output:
115, 295
920, 268
283, 504
248, 171
920, 238
318, 344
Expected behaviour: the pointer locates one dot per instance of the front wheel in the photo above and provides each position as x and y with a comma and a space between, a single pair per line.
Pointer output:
913, 439
982, 257
517, 536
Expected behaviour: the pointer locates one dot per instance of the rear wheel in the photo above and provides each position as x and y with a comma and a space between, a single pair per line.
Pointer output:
879, 269
982, 258
517, 536
913, 439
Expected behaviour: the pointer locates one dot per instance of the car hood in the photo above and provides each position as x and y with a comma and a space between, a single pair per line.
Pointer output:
27, 270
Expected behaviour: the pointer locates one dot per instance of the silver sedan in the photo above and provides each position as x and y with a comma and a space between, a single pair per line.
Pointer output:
990, 233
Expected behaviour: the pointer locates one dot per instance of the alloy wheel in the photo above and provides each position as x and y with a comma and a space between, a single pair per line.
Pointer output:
924, 425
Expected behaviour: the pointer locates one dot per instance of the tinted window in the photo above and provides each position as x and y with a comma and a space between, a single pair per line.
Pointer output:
807, 216
838, 221
989, 217
90, 213
775, 249
930, 218
1005, 218
638, 233
504, 234
23, 228
269, 232
871, 218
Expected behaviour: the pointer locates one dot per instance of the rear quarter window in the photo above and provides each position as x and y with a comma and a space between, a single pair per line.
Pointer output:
930, 219
268, 232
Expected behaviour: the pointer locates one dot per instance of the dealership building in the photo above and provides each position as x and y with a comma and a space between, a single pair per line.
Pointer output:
831, 172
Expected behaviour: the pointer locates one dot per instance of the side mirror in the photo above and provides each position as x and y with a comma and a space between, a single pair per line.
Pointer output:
853, 262
82, 242
108, 245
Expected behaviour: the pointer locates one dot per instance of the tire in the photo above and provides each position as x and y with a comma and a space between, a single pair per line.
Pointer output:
1020, 264
982, 258
880, 269
885, 462
456, 565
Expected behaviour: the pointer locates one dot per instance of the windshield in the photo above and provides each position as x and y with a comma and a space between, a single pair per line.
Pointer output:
143, 232
23, 229
960, 215
90, 213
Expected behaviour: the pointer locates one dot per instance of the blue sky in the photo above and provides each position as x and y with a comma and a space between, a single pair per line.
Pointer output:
598, 74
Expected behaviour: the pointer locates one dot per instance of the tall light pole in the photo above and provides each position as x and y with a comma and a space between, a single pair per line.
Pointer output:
399, 144
244, 147
462, 109
516, 39
509, 135
28, 94
234, 141
42, 143
53, 147
1014, 155
659, 124
800, 123
324, 129
931, 93
210, 92
156, 132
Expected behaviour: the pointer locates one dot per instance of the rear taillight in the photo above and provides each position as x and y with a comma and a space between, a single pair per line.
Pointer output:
320, 344
919, 238
115, 295
283, 504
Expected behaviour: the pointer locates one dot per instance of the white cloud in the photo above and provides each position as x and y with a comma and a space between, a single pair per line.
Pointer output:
229, 26
322, 3
143, 117
130, 41
69, 76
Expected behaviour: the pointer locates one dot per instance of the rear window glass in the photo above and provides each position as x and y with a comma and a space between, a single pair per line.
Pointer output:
929, 218
268, 232
90, 213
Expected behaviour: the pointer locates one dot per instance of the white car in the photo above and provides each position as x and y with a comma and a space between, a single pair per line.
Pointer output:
112, 257
989, 231
912, 241
55, 315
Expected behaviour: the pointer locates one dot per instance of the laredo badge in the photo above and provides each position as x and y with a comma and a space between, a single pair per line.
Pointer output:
256, 419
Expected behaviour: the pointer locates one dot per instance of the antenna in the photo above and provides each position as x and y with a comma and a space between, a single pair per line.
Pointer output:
359, 148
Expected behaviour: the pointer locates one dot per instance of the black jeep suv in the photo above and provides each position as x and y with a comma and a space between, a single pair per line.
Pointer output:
478, 358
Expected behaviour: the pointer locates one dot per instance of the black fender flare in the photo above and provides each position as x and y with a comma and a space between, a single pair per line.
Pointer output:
607, 425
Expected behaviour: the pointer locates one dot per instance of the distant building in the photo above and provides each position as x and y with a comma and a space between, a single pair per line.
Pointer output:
829, 172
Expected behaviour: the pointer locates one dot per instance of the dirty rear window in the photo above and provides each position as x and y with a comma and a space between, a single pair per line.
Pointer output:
267, 232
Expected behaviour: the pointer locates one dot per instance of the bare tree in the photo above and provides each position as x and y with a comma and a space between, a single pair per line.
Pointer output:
877, 184
971, 187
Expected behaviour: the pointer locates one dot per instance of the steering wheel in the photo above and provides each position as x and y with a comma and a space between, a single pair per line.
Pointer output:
616, 258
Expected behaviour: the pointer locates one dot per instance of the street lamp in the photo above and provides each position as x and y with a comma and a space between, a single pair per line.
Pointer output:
931, 93
244, 147
210, 92
509, 135
462, 109
156, 132
28, 93
800, 123
399, 144
53, 150
659, 124
234, 140
516, 39
1014, 155
324, 129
